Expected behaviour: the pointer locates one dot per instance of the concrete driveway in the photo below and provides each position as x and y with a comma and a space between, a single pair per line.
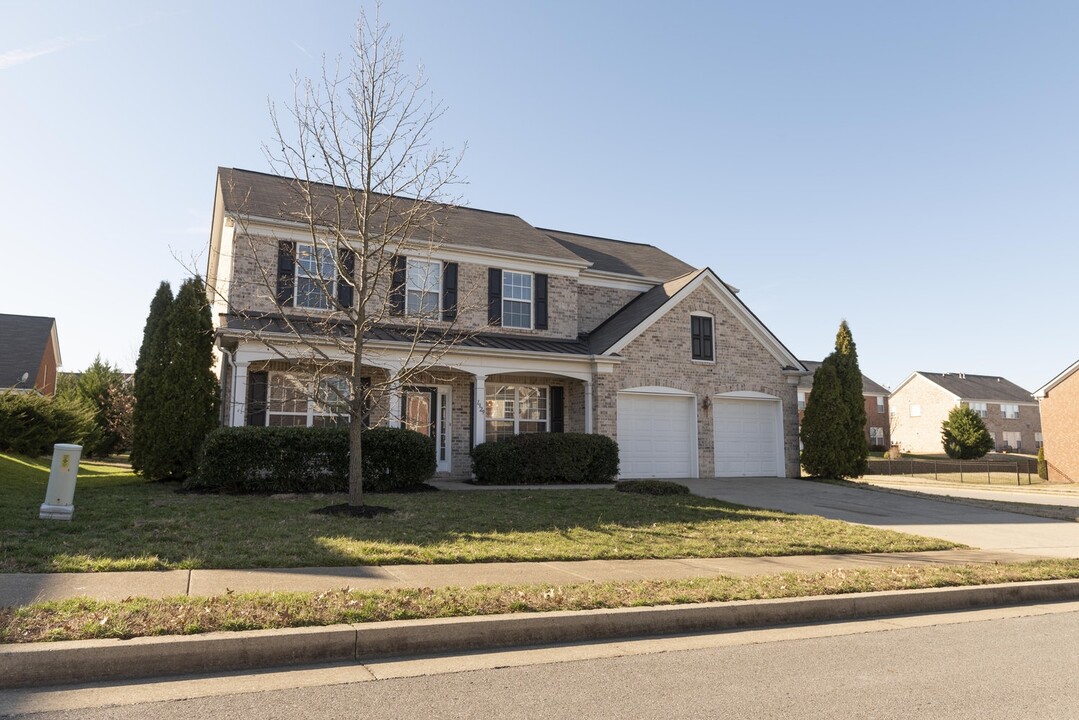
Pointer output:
973, 526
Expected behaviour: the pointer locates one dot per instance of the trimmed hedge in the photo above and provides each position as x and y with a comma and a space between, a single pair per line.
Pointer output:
30, 424
540, 458
651, 487
306, 460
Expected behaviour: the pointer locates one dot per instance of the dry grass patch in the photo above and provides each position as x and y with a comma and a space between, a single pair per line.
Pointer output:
84, 619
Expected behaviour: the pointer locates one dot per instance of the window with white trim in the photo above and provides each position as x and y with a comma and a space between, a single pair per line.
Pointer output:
316, 277
876, 436
801, 401
516, 410
296, 400
979, 407
880, 404
1038, 440
915, 410
423, 287
1010, 411
1014, 440
516, 299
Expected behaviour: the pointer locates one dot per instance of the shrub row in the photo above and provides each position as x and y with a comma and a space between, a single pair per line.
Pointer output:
302, 460
546, 458
30, 424
651, 487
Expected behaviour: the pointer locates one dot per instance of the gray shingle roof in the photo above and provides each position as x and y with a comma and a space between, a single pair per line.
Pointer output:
980, 387
274, 197
23, 339
869, 387
625, 258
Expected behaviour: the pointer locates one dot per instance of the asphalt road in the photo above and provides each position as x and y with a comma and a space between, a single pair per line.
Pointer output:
1013, 663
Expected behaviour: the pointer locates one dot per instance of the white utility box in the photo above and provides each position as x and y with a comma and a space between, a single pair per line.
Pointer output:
60, 495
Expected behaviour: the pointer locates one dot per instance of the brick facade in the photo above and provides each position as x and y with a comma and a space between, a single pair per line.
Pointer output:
595, 304
661, 356
1060, 426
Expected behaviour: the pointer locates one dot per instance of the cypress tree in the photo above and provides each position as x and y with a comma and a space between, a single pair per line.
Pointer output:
856, 453
824, 425
148, 430
189, 389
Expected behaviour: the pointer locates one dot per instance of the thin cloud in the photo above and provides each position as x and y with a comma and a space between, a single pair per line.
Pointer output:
19, 56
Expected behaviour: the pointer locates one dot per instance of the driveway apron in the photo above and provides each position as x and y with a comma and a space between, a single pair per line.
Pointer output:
973, 526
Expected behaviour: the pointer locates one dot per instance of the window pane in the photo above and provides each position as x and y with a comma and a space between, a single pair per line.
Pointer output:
287, 393
499, 430
500, 402
516, 286
533, 405
286, 420
516, 314
421, 303
533, 427
332, 396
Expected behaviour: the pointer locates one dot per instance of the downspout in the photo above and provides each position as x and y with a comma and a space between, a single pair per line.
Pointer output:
232, 381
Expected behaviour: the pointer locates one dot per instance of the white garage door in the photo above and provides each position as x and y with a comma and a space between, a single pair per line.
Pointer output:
747, 438
656, 436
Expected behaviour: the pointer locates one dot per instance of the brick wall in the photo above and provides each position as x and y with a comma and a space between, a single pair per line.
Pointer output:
596, 304
662, 356
872, 417
1060, 426
1028, 423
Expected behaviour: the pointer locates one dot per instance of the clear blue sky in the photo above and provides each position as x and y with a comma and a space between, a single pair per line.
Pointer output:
912, 167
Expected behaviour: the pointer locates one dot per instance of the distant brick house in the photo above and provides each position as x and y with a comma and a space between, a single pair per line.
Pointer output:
29, 354
877, 432
1058, 400
922, 402
572, 333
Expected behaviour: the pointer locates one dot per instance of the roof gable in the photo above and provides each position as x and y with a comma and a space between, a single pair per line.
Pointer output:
1044, 389
25, 339
624, 326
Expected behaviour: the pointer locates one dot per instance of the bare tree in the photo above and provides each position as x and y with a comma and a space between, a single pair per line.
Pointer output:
370, 182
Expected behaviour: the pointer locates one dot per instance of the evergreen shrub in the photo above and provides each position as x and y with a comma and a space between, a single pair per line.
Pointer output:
541, 458
241, 460
30, 424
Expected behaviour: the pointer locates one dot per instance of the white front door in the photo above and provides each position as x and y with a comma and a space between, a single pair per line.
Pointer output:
656, 436
748, 437
426, 410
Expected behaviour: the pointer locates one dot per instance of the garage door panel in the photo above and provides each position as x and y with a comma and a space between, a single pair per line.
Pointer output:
747, 438
655, 436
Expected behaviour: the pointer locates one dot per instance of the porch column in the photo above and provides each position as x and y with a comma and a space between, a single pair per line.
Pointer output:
238, 396
479, 412
394, 416
588, 406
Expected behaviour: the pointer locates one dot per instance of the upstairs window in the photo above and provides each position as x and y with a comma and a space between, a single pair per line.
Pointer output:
880, 404
700, 332
801, 401
981, 408
516, 299
316, 277
915, 410
1010, 412
423, 287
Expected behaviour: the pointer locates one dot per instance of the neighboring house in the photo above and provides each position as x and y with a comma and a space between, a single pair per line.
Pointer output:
877, 432
29, 354
571, 333
1059, 403
922, 402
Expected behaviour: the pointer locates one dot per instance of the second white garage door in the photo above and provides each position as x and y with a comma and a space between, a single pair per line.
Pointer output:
657, 436
747, 435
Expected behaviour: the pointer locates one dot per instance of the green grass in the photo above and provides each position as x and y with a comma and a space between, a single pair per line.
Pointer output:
81, 619
122, 522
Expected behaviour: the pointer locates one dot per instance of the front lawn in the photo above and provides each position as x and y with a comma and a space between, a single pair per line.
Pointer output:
122, 522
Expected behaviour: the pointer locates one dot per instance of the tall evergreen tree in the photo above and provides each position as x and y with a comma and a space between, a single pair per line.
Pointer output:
850, 382
98, 387
827, 415
149, 431
188, 391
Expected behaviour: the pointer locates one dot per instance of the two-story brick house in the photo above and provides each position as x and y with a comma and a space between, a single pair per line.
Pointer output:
923, 400
566, 333
877, 429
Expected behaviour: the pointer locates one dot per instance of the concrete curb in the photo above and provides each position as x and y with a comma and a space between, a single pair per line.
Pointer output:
94, 660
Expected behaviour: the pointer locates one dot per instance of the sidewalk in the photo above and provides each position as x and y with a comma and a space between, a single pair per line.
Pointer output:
24, 588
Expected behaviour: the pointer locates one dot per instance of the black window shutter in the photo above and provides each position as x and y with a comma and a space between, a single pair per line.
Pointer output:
695, 335
286, 272
541, 301
256, 398
558, 421
398, 266
706, 338
494, 296
449, 291
472, 415
347, 278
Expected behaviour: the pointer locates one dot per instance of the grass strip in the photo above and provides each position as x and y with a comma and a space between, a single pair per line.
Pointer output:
81, 619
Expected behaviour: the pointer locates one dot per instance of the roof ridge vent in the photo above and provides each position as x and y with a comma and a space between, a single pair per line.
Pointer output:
962, 376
